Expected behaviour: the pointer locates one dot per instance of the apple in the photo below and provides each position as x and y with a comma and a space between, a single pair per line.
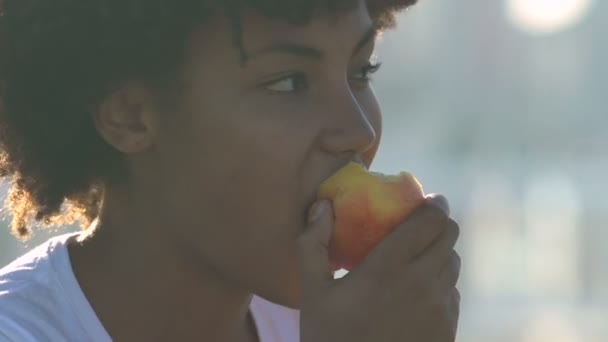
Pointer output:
367, 207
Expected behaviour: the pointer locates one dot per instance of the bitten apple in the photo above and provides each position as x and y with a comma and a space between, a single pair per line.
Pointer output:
367, 207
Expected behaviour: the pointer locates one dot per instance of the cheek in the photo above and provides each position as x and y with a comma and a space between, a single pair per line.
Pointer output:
248, 173
242, 190
245, 164
254, 195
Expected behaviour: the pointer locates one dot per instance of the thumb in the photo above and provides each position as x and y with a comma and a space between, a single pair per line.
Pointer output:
313, 248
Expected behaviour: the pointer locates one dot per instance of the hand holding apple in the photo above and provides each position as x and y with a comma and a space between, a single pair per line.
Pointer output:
367, 207
404, 289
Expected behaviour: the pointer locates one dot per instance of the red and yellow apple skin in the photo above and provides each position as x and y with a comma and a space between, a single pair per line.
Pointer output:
367, 207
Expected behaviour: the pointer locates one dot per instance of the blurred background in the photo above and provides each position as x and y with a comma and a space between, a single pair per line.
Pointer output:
501, 106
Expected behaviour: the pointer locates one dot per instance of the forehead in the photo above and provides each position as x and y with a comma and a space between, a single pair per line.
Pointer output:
334, 27
298, 11
254, 29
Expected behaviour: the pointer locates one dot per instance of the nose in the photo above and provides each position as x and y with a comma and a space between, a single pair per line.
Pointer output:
349, 129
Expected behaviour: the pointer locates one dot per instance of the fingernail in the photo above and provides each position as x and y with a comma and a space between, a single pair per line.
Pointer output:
317, 210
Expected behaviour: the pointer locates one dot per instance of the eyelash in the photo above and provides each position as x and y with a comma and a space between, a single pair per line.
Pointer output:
301, 83
369, 69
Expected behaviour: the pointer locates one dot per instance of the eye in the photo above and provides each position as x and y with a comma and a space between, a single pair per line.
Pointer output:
364, 73
288, 84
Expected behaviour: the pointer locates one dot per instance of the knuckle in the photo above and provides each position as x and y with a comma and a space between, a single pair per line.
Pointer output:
456, 296
456, 261
450, 272
454, 229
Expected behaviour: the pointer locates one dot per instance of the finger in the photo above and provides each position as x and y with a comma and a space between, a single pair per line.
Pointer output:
437, 255
439, 201
450, 273
409, 239
455, 309
313, 247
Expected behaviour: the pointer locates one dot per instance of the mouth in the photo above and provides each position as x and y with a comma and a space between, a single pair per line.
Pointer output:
312, 198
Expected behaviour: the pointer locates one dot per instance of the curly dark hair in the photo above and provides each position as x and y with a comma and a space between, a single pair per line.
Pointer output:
60, 58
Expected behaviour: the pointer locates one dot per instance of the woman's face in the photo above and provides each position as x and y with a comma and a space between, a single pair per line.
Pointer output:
250, 143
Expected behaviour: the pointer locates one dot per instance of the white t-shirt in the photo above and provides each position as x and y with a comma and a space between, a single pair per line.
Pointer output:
40, 300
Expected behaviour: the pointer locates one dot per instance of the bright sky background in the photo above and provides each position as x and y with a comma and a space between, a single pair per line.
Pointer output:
546, 16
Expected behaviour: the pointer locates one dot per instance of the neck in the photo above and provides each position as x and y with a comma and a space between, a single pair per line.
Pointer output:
143, 286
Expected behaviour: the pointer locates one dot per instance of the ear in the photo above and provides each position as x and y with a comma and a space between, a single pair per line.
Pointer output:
127, 118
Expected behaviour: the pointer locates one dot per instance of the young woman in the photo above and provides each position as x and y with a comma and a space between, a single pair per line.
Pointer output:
189, 138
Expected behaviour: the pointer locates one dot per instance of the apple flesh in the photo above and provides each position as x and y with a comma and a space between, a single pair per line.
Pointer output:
367, 207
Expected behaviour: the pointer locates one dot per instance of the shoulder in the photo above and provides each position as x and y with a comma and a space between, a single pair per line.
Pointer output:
23, 270
33, 271
29, 296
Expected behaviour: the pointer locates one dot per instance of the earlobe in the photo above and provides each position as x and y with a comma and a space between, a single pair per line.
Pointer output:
125, 118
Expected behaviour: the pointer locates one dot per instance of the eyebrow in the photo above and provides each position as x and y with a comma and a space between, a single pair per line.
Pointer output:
300, 50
